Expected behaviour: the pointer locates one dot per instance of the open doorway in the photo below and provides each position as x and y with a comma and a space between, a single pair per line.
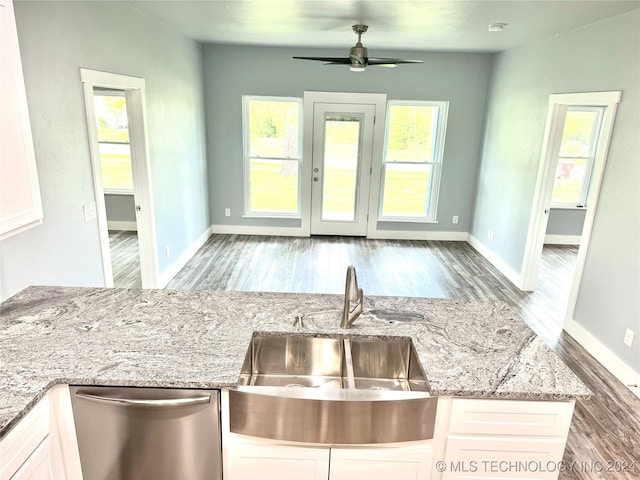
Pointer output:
574, 154
115, 109
114, 148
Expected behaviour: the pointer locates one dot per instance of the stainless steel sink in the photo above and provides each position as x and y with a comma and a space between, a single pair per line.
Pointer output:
332, 390
387, 365
293, 361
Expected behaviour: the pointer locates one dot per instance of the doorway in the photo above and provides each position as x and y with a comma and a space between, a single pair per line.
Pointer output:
552, 150
342, 150
133, 89
344, 141
112, 123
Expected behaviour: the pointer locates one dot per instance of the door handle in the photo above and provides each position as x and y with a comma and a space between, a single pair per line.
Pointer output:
138, 208
138, 402
316, 179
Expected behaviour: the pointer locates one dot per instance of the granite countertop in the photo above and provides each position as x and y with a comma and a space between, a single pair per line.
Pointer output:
198, 339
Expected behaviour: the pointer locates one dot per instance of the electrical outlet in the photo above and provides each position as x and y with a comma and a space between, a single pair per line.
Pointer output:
227, 212
90, 211
167, 251
628, 337
454, 220
490, 235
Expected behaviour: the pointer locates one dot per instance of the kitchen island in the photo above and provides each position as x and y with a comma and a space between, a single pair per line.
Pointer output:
198, 339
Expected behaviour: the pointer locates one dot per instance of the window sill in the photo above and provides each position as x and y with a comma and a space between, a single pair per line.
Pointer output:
406, 220
567, 207
294, 216
117, 191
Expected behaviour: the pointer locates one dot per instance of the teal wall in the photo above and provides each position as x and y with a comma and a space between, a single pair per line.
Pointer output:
56, 40
599, 57
232, 71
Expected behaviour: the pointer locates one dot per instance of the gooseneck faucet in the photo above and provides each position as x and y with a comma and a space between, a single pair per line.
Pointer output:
351, 294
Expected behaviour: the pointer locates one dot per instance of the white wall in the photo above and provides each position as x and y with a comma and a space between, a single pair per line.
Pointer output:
599, 57
56, 40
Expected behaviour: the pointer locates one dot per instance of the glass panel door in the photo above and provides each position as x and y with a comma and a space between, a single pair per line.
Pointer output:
342, 138
342, 149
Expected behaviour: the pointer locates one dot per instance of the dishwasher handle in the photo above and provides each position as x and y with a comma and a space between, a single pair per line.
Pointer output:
138, 402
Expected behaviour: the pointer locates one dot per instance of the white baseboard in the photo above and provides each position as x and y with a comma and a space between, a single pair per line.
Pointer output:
562, 239
606, 357
119, 225
377, 235
182, 260
418, 235
513, 276
252, 230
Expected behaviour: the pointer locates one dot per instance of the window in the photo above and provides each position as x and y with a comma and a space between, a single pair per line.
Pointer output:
577, 153
412, 160
272, 145
113, 141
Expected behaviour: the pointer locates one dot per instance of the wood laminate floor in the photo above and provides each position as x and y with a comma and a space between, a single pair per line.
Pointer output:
605, 427
125, 259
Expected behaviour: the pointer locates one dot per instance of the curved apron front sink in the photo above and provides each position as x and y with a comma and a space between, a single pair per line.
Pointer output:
332, 390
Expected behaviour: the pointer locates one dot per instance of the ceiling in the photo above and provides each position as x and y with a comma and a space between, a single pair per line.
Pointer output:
440, 25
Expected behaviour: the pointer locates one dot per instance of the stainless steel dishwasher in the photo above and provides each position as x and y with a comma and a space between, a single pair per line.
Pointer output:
147, 433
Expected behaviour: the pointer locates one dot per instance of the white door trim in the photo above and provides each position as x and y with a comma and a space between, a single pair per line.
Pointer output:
380, 102
558, 104
136, 108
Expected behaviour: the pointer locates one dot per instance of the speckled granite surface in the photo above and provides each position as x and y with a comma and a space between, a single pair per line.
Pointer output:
51, 335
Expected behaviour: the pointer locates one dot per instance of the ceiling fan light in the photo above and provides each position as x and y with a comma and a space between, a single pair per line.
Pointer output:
356, 68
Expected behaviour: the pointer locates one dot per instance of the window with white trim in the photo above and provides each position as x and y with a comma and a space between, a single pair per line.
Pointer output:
113, 140
412, 162
578, 147
272, 129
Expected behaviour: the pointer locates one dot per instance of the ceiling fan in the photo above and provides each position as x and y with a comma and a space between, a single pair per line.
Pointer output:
358, 58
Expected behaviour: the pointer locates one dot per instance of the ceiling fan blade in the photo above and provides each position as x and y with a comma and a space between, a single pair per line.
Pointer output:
387, 61
388, 65
331, 60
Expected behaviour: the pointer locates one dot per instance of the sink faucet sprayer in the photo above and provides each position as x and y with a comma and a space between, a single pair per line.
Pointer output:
351, 294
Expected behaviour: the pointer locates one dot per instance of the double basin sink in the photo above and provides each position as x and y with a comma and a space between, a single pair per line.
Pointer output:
332, 390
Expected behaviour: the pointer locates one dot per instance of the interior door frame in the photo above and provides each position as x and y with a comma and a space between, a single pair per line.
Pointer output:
379, 100
134, 88
558, 104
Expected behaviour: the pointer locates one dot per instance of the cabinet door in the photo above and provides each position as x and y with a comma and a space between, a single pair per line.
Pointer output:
20, 203
21, 441
40, 465
502, 457
276, 462
406, 463
510, 417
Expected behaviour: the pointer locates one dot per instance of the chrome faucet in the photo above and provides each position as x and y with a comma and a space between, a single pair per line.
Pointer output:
351, 294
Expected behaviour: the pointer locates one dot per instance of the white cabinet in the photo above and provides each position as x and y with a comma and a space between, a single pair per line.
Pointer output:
256, 459
383, 463
20, 202
249, 461
493, 457
42, 464
489, 438
42, 445
28, 451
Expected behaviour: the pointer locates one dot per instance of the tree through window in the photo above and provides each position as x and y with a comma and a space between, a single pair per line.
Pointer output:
272, 135
113, 140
